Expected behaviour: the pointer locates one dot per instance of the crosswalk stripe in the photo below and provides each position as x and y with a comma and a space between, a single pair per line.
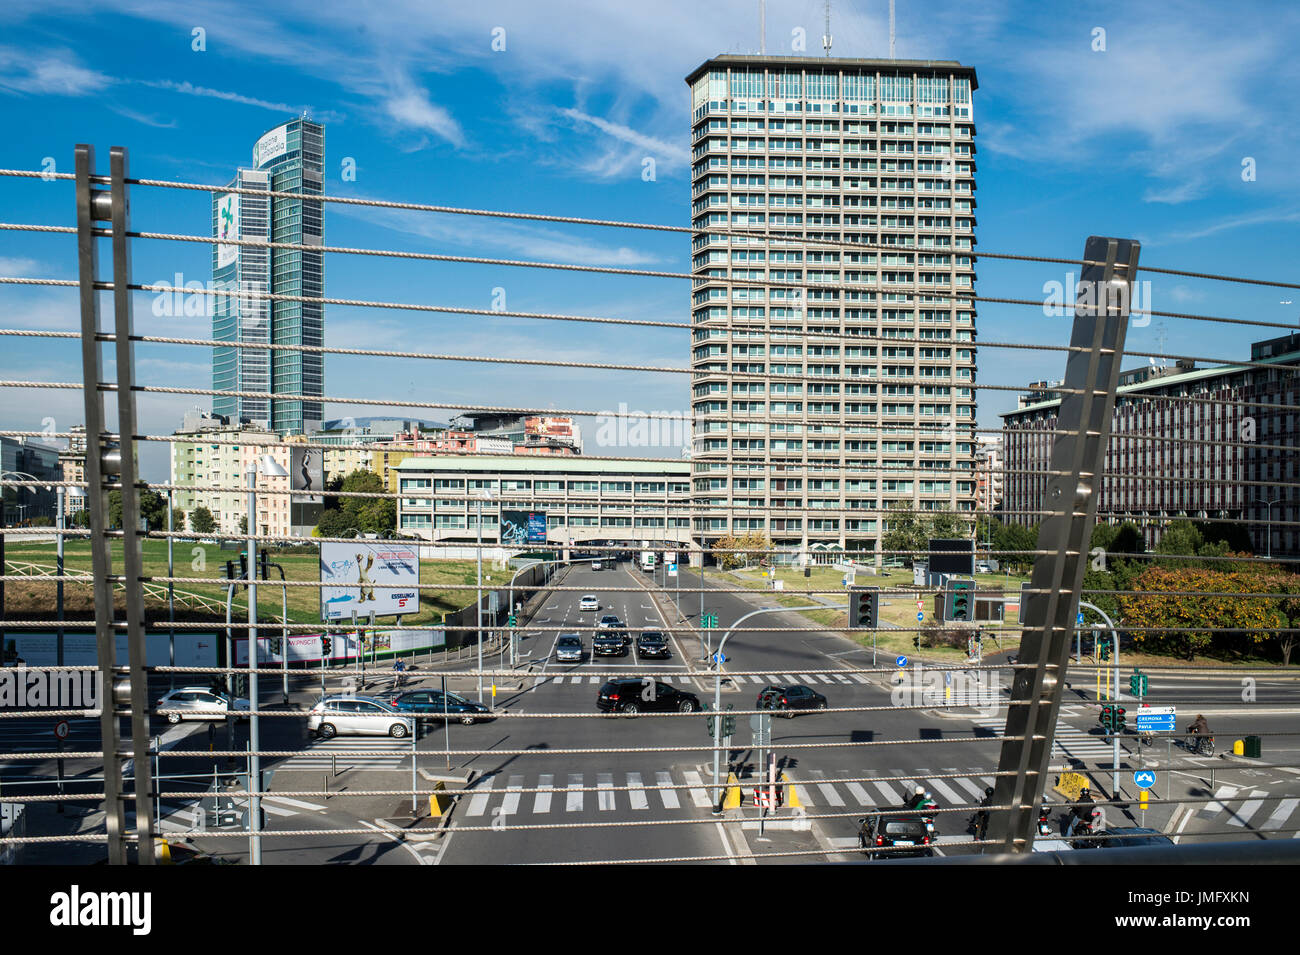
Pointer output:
285, 800
636, 795
786, 679
769, 678
841, 678
479, 802
859, 677
947, 792
605, 791
1284, 809
970, 787
824, 678
832, 797
594, 680
542, 800
1216, 806
803, 678
858, 793
698, 793
669, 796
891, 796
510, 805
573, 801
1248, 809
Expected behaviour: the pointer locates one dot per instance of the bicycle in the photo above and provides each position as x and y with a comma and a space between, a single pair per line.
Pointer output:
1200, 745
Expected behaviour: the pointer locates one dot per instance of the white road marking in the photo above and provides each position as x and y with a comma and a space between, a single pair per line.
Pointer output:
859, 677
947, 792
823, 677
479, 803
698, 792
970, 787
510, 805
542, 800
573, 801
832, 797
804, 678
1216, 807
605, 791
858, 793
669, 796
400, 841
786, 679
1248, 809
636, 794
891, 795
285, 800
1284, 809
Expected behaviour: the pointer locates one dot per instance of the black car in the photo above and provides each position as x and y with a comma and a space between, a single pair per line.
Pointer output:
643, 696
609, 643
1132, 837
903, 835
652, 643
433, 704
786, 699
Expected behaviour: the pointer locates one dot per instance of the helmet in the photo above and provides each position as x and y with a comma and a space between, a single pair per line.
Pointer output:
1084, 792
988, 791
918, 791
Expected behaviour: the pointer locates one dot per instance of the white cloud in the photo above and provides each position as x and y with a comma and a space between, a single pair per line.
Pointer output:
411, 107
48, 72
15, 268
672, 153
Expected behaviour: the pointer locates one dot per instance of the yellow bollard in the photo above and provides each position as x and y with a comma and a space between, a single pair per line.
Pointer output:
1143, 800
435, 801
1239, 747
732, 799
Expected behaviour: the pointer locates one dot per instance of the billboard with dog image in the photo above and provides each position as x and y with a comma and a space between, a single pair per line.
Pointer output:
368, 576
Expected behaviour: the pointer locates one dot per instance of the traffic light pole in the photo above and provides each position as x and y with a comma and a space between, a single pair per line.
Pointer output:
1114, 634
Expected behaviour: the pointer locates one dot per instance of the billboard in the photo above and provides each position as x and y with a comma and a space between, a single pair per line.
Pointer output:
306, 473
227, 228
367, 576
952, 556
306, 647
519, 528
40, 649
271, 146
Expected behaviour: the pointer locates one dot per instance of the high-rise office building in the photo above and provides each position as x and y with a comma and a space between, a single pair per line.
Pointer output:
289, 158
833, 384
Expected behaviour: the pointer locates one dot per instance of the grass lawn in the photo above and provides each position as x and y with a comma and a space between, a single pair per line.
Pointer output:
207, 561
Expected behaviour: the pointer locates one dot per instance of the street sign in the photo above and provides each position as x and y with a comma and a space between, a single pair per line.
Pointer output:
920, 616
901, 661
61, 730
1080, 618
1156, 719
1144, 779
719, 658
672, 570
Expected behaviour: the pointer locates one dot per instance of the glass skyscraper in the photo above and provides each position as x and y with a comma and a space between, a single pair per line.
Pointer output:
288, 158
832, 385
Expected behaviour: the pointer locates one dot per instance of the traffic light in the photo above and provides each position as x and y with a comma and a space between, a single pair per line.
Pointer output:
864, 608
1119, 720
262, 564
1107, 717
1137, 684
1103, 651
728, 723
325, 645
959, 597
708, 718
243, 565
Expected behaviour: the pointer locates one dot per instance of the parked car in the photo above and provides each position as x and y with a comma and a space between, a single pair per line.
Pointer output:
588, 602
609, 643
635, 695
200, 703
433, 704
596, 565
1131, 837
787, 699
653, 643
905, 835
357, 715
569, 649
609, 620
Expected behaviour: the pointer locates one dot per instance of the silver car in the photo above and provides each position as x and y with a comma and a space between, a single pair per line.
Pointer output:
199, 703
359, 716
589, 602
568, 649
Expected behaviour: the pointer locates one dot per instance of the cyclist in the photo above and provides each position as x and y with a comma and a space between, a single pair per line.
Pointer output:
1200, 729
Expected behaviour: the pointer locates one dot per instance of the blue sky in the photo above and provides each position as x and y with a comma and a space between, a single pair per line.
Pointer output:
1144, 139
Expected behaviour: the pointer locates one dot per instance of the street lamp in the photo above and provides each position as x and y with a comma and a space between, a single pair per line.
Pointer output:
1269, 544
484, 495
271, 468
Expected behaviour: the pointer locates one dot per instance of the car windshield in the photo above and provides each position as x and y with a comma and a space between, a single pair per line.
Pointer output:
902, 828
568, 641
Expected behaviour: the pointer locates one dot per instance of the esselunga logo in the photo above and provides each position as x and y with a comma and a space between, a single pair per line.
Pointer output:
31, 687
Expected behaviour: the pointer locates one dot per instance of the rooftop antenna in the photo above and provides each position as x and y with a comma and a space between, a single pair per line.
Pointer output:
827, 39
1162, 335
891, 29
762, 27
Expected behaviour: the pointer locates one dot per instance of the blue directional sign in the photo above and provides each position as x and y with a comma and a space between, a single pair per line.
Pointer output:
901, 661
1156, 719
719, 658
1144, 779
920, 616
1081, 618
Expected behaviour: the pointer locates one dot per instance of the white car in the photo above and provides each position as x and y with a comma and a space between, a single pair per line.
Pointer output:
199, 703
589, 602
358, 715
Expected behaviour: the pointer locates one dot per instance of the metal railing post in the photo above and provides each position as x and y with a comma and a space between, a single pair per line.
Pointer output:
1078, 456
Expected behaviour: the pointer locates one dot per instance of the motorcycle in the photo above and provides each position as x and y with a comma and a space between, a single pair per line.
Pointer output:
1044, 822
1200, 745
1083, 830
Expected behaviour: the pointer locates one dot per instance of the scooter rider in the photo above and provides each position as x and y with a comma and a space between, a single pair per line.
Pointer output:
1081, 813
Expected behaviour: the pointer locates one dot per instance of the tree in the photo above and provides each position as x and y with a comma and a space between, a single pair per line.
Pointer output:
333, 523
153, 508
1015, 537
372, 515
948, 526
178, 519
202, 521
906, 536
243, 524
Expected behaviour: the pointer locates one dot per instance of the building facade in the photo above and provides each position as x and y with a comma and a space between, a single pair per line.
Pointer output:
23, 504
1185, 443
832, 385
217, 455
585, 499
288, 158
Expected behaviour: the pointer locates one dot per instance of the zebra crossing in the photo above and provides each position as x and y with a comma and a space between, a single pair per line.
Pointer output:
381, 753
1068, 741
781, 679
502, 795
189, 814
1248, 808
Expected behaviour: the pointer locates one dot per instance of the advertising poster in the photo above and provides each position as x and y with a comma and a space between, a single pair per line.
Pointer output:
227, 228
368, 576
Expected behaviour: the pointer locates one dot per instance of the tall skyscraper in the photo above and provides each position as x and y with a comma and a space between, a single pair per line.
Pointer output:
832, 385
289, 158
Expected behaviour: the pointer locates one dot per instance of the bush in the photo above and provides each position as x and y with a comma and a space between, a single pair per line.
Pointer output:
955, 637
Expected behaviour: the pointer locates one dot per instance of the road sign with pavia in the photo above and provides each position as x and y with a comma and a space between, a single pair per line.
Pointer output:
1156, 719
